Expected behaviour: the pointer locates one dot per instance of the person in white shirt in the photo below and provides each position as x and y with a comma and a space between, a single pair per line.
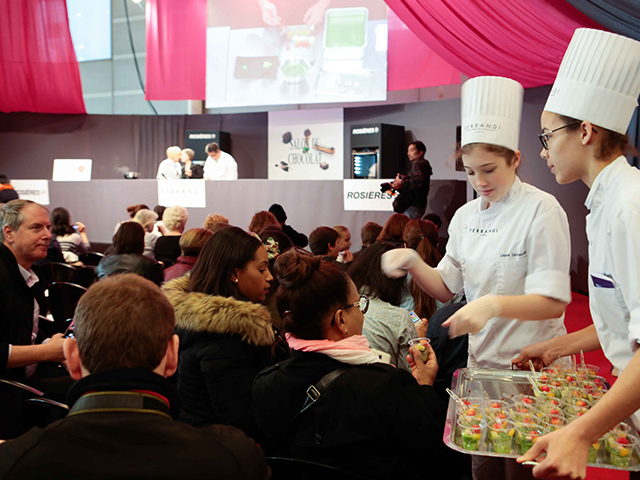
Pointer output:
171, 168
220, 165
584, 125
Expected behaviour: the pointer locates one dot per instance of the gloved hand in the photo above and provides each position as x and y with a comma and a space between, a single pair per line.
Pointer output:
397, 262
473, 316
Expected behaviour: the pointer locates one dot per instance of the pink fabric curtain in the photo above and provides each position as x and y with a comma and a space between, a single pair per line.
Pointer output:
38, 67
521, 39
176, 49
411, 64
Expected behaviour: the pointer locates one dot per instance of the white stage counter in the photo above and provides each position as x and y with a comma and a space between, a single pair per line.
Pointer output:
100, 204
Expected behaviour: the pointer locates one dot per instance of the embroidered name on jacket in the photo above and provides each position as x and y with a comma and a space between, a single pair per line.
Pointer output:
480, 231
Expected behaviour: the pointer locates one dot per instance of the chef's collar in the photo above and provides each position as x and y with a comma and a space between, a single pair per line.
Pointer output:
497, 206
602, 181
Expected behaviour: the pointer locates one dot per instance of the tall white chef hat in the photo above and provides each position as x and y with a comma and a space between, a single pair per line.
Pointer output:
598, 80
491, 111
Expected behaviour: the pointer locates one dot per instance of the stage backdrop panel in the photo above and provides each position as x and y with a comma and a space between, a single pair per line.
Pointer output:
306, 145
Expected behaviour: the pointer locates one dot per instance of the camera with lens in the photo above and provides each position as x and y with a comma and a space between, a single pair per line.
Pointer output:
386, 187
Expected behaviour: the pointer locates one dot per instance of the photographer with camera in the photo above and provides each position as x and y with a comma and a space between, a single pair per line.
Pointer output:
413, 187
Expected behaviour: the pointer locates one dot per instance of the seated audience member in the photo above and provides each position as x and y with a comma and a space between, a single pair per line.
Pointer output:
125, 255
147, 219
191, 244
324, 241
158, 228
73, 239
433, 218
168, 247
131, 210
262, 219
190, 169
225, 334
215, 221
369, 233
276, 242
422, 236
171, 168
387, 326
7, 193
298, 239
344, 244
392, 230
373, 419
121, 421
25, 235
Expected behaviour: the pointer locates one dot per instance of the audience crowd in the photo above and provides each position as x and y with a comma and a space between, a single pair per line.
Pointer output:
222, 354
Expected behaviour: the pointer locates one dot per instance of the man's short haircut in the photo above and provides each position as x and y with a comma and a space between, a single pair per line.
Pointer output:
175, 150
369, 233
321, 238
175, 218
189, 152
123, 321
433, 218
212, 147
419, 146
278, 212
192, 241
4, 179
11, 214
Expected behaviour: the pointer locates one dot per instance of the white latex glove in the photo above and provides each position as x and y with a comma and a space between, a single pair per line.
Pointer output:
473, 316
397, 262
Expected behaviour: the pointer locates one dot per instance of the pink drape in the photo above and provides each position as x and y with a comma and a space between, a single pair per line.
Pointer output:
411, 63
521, 39
38, 67
176, 49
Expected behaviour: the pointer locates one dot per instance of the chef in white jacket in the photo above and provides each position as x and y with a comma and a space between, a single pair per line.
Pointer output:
583, 135
509, 249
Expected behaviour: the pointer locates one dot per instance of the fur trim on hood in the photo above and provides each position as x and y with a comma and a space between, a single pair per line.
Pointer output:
214, 314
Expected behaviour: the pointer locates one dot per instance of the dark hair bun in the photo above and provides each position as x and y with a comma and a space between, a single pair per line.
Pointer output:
294, 267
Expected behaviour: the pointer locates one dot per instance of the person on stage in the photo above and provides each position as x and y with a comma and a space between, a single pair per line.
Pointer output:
584, 125
220, 165
413, 187
170, 168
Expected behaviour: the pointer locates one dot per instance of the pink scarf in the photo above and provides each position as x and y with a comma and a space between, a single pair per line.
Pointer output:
353, 350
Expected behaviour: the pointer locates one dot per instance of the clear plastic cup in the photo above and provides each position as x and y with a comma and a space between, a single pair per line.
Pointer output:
421, 343
619, 447
500, 437
470, 435
527, 435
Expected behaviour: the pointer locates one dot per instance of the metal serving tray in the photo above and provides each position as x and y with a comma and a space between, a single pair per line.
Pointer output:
473, 382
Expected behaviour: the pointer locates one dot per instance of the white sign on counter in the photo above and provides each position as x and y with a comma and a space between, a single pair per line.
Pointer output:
34, 190
185, 193
365, 194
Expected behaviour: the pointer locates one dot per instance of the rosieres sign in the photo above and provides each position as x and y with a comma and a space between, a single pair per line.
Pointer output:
366, 195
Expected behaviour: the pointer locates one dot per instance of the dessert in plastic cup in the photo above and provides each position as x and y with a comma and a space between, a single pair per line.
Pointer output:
619, 446
500, 436
527, 435
470, 436
421, 343
593, 452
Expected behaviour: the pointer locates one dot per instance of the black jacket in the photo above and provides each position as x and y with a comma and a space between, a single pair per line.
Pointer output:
374, 419
16, 312
131, 263
224, 343
130, 444
414, 189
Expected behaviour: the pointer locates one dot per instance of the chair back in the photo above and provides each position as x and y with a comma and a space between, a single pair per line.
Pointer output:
86, 276
12, 394
286, 468
62, 272
63, 298
40, 412
91, 258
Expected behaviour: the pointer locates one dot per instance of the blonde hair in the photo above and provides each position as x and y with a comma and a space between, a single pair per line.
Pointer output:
214, 218
342, 230
146, 218
175, 218
189, 152
175, 150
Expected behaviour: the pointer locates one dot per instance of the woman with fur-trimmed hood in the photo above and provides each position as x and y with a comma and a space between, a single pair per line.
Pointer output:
225, 335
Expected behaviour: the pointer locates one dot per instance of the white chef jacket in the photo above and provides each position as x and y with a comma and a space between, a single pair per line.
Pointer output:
613, 230
519, 245
225, 168
169, 170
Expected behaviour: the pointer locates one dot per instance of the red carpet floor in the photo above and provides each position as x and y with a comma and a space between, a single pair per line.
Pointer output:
577, 317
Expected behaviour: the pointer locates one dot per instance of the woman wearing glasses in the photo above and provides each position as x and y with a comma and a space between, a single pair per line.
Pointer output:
509, 249
583, 136
373, 418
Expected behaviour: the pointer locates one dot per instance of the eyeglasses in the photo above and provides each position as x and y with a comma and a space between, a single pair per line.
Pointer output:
544, 137
362, 304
